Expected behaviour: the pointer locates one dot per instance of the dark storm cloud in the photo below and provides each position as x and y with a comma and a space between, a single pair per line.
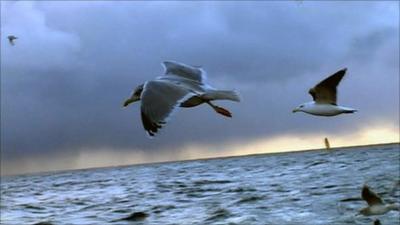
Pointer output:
64, 82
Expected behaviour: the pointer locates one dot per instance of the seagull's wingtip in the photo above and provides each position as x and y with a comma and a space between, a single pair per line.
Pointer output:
150, 134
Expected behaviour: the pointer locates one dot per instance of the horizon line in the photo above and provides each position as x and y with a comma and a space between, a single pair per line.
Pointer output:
197, 159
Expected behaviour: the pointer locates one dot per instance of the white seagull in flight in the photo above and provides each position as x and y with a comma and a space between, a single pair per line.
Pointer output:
324, 96
375, 204
181, 86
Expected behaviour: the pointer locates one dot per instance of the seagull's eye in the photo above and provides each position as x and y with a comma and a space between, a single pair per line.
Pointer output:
301, 106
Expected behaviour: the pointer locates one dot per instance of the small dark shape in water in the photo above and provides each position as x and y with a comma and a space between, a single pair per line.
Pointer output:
180, 192
241, 189
121, 211
285, 164
122, 201
162, 208
28, 206
157, 211
317, 163
43, 223
194, 195
211, 190
350, 199
249, 199
203, 182
136, 216
317, 193
330, 186
182, 185
218, 214
377, 222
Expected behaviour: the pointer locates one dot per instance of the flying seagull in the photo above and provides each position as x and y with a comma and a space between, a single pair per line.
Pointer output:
324, 96
11, 39
181, 86
375, 204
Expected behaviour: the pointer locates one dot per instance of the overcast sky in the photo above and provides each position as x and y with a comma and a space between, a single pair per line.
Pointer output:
75, 62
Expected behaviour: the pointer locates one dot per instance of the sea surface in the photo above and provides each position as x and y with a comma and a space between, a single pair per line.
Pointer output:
313, 187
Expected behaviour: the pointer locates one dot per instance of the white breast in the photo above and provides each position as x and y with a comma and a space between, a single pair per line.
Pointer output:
323, 109
378, 209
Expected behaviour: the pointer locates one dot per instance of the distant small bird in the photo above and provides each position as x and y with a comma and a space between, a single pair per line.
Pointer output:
324, 96
11, 39
181, 86
375, 204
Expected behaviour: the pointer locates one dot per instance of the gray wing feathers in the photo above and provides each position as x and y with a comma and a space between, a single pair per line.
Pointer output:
159, 99
325, 91
370, 197
185, 71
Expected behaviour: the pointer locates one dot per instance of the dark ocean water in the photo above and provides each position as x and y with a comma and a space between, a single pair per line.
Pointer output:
314, 187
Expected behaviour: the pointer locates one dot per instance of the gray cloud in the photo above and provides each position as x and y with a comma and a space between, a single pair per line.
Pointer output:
64, 81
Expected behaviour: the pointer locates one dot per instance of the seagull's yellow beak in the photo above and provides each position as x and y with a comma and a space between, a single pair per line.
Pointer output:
131, 100
295, 110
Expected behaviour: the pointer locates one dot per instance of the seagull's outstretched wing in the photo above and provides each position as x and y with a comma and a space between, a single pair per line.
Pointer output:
325, 91
370, 197
182, 70
158, 100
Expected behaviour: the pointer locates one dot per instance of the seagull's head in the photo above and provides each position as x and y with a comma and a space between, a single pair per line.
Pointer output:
305, 107
135, 95
299, 108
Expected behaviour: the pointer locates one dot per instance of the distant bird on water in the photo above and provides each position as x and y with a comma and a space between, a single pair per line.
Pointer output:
11, 39
324, 96
181, 86
375, 204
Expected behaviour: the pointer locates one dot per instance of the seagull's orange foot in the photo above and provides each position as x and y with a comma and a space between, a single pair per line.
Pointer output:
222, 111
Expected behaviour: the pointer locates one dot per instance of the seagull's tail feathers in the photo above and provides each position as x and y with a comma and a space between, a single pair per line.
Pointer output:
350, 111
222, 95
347, 109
